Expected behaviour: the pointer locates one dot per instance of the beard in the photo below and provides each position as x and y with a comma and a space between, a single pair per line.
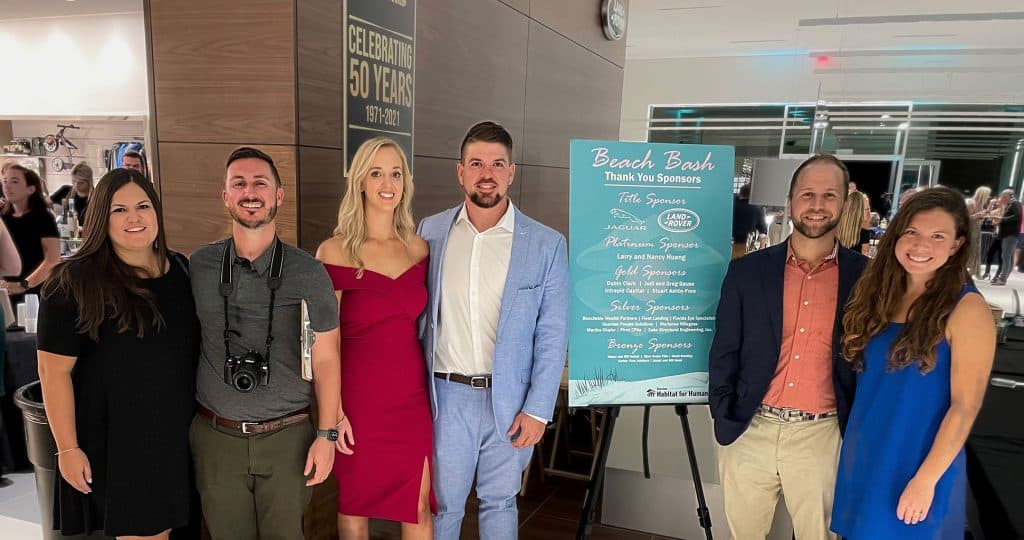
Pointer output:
816, 230
249, 223
485, 201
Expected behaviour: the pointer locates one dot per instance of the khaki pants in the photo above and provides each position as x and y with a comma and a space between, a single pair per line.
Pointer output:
798, 459
251, 486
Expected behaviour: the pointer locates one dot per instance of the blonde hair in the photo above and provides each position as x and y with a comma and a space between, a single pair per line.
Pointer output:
351, 229
981, 197
848, 230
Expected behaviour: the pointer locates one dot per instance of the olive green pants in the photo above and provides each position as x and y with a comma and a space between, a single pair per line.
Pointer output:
251, 486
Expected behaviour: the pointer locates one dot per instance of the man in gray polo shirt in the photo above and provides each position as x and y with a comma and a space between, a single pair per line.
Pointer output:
256, 452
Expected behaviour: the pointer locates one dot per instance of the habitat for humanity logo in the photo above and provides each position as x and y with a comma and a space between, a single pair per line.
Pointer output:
676, 393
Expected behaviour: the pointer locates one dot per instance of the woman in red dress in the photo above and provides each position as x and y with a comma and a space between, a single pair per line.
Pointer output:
379, 268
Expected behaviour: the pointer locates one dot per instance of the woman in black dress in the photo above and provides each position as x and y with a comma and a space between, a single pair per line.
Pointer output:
27, 216
118, 342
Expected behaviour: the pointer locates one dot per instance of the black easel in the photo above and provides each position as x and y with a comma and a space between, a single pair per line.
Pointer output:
588, 513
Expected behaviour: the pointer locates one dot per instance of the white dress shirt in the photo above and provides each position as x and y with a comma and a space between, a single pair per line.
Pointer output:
472, 285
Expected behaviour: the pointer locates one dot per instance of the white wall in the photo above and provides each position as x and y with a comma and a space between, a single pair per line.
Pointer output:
964, 78
74, 66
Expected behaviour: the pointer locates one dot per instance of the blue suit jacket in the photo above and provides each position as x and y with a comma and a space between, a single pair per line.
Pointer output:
748, 338
529, 353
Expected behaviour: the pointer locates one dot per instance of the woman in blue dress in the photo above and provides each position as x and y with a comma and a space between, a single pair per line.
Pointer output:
922, 340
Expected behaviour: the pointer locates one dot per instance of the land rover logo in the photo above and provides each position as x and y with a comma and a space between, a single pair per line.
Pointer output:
613, 19
678, 220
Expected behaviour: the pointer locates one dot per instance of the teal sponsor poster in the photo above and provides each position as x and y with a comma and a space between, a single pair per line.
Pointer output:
650, 232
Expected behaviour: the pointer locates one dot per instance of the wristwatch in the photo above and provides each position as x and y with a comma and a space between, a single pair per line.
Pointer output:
329, 434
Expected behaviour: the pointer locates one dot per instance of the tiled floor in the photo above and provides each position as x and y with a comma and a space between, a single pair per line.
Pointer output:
19, 509
548, 511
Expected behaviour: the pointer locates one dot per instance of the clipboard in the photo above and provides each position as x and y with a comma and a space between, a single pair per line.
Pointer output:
307, 338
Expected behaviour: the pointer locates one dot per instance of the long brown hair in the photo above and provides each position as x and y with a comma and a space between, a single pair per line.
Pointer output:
38, 200
101, 284
879, 293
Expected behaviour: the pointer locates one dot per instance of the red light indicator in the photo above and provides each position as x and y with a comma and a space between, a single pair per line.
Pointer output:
823, 60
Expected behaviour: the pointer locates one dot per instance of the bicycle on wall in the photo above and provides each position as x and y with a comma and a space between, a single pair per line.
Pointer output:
54, 142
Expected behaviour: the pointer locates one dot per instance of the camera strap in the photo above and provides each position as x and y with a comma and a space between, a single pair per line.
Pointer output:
273, 282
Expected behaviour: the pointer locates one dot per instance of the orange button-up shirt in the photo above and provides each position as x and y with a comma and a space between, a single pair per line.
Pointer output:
803, 378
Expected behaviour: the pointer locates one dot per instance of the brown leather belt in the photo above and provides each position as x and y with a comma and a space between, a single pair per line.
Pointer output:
476, 381
255, 428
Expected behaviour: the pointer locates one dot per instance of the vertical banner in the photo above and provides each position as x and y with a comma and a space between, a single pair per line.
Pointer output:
650, 232
380, 64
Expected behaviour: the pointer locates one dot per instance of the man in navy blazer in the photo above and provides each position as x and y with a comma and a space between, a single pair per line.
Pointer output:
494, 337
779, 390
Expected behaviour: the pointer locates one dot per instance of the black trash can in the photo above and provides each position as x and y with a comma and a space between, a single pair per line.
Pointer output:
41, 447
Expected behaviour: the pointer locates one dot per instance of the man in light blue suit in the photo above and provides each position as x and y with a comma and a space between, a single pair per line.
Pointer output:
494, 337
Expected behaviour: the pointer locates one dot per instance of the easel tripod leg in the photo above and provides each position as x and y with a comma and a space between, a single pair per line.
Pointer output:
703, 515
596, 477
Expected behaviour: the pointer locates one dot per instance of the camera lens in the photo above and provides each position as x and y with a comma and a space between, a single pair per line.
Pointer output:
244, 381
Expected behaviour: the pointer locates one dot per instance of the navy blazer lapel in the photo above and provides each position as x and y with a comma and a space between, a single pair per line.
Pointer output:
774, 283
847, 279
516, 266
847, 276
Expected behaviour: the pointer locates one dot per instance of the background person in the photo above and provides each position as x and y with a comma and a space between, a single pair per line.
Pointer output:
851, 231
118, 338
746, 219
78, 190
977, 208
379, 269
995, 247
922, 340
10, 260
1009, 228
33, 228
136, 161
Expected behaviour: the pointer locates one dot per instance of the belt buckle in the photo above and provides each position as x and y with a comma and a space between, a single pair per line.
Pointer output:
482, 379
246, 425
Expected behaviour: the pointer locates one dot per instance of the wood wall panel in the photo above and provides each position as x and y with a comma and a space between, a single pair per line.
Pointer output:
193, 180
580, 21
223, 71
470, 66
320, 76
545, 196
571, 93
321, 188
436, 186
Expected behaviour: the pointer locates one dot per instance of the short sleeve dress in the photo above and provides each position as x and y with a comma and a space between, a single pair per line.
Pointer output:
134, 400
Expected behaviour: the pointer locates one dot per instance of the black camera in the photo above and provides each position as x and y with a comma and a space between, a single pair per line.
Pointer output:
247, 371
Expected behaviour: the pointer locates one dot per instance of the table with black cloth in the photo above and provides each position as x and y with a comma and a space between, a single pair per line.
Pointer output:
19, 370
995, 448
